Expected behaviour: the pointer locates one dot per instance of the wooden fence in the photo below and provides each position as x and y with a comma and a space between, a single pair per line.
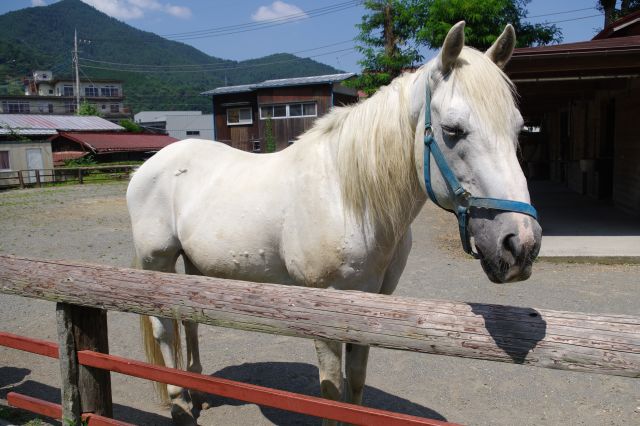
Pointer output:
605, 344
61, 175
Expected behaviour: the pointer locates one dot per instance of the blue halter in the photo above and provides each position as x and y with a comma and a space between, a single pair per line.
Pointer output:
463, 201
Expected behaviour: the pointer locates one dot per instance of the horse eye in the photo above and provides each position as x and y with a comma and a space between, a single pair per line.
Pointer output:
453, 131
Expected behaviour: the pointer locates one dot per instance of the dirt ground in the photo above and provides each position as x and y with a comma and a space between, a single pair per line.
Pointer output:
89, 223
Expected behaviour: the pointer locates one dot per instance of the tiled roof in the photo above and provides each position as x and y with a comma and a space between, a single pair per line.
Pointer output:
35, 124
283, 82
119, 142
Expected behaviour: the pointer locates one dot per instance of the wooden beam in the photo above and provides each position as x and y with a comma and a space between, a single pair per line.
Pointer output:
605, 344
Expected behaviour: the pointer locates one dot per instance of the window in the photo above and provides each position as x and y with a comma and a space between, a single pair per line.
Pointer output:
111, 91
15, 107
114, 108
306, 109
91, 91
193, 132
237, 116
256, 146
51, 91
4, 160
67, 90
70, 107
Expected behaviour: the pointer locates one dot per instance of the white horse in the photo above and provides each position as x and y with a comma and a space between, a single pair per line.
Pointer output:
334, 210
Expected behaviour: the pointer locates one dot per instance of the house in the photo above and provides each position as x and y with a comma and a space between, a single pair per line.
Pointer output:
290, 105
45, 94
107, 147
581, 103
177, 124
25, 144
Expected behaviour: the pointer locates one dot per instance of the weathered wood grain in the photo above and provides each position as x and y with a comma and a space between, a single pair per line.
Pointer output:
604, 344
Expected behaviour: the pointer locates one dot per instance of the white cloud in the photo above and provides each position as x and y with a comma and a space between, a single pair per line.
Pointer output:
38, 3
135, 9
278, 9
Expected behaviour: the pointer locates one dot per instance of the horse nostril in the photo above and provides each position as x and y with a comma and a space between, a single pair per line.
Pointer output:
509, 243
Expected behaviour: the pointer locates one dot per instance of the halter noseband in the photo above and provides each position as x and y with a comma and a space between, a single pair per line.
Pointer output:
463, 201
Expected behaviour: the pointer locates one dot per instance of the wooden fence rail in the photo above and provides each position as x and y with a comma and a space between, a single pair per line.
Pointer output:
58, 175
605, 344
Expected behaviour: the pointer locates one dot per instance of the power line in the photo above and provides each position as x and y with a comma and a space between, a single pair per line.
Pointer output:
204, 64
560, 13
218, 69
575, 19
253, 26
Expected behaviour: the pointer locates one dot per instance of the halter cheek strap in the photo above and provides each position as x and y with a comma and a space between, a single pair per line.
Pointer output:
462, 200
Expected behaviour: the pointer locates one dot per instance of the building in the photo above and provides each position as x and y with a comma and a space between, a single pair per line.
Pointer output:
177, 124
45, 94
580, 102
107, 147
291, 106
25, 142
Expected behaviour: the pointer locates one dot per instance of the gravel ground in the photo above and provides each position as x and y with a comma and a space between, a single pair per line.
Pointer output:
89, 223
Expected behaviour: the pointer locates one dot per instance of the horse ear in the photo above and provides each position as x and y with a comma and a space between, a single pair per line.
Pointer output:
452, 47
501, 50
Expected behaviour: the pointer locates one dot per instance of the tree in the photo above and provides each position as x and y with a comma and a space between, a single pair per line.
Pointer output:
131, 126
485, 20
392, 32
87, 109
608, 7
269, 137
386, 37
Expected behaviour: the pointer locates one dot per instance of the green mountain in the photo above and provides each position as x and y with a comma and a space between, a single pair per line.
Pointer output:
42, 38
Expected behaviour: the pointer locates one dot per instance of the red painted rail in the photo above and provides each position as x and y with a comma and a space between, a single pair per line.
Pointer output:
54, 411
260, 395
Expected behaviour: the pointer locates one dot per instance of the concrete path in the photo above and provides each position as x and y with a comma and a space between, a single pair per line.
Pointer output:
577, 227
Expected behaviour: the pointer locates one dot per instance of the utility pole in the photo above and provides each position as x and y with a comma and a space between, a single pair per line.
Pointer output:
75, 63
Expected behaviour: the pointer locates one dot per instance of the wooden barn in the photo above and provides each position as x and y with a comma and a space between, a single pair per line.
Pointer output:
291, 105
581, 103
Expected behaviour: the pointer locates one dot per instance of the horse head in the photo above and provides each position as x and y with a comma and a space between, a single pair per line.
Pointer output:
470, 141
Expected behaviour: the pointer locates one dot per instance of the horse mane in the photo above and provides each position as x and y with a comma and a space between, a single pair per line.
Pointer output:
375, 141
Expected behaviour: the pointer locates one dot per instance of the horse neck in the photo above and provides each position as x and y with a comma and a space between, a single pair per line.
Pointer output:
376, 160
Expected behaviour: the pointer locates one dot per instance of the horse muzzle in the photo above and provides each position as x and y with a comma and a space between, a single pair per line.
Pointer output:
507, 244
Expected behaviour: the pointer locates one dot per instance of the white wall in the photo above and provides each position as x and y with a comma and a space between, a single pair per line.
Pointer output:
178, 126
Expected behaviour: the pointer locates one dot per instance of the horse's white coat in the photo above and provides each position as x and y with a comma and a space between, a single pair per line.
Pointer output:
334, 209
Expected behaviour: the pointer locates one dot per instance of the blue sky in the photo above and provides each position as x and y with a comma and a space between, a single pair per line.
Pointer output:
323, 30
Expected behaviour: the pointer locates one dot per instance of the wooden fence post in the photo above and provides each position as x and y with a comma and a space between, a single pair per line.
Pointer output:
38, 180
80, 175
21, 179
83, 328
70, 395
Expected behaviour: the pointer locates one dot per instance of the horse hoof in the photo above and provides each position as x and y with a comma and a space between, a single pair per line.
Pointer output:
182, 416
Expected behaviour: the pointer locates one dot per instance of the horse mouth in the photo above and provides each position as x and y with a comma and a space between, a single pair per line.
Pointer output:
501, 271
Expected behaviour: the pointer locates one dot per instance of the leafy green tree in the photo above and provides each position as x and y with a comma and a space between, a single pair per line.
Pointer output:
485, 20
87, 109
392, 32
131, 126
611, 13
269, 137
386, 42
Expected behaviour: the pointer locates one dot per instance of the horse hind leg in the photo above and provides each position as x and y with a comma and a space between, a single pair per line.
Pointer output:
356, 357
162, 335
198, 399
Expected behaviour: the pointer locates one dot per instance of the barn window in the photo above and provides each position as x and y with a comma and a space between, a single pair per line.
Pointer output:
238, 116
4, 160
15, 107
193, 132
109, 91
306, 109
67, 90
114, 108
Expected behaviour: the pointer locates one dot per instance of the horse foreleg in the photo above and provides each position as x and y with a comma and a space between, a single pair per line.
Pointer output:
330, 369
356, 357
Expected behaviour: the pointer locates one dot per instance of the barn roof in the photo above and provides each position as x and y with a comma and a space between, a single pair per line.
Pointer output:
101, 143
35, 124
615, 57
283, 82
